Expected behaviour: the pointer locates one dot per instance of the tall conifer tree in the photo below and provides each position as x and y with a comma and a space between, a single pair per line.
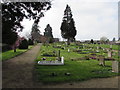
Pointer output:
68, 29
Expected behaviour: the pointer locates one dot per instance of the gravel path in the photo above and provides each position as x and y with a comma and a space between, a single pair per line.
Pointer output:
18, 73
93, 83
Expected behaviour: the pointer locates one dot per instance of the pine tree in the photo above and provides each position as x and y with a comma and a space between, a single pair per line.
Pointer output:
48, 33
114, 39
68, 30
35, 33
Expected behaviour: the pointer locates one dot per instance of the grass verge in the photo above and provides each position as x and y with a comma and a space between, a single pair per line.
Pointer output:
10, 54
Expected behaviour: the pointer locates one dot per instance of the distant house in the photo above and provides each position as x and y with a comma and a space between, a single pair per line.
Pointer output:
43, 39
56, 39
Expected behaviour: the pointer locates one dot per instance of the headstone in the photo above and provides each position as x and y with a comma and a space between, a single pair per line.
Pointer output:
97, 51
97, 47
115, 66
102, 61
68, 50
62, 59
111, 46
103, 49
109, 53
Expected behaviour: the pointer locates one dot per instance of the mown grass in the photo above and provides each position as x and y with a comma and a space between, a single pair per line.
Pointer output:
80, 70
114, 47
10, 54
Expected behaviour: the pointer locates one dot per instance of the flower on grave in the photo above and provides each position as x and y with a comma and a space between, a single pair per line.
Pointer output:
43, 58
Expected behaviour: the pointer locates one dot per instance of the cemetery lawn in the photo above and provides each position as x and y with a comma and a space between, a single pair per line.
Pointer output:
79, 70
10, 54
114, 47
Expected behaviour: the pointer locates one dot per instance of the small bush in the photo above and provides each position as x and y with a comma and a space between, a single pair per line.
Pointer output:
51, 40
24, 44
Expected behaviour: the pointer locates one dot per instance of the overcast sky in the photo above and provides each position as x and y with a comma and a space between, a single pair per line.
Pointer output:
93, 19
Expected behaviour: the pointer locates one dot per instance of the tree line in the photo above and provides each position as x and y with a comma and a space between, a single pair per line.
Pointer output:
13, 14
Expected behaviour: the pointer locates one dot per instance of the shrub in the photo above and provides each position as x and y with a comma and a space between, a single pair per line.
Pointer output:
51, 40
24, 44
5, 47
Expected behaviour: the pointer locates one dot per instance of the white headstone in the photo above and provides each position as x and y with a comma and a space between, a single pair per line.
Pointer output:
62, 59
68, 50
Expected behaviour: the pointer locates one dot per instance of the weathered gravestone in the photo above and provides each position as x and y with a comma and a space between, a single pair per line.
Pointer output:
103, 49
115, 67
109, 53
101, 61
110, 46
97, 47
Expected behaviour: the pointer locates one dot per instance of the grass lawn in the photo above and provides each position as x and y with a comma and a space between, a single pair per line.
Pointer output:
114, 47
10, 54
79, 70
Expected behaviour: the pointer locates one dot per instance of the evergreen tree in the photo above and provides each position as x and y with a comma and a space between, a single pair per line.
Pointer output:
14, 12
119, 39
35, 33
92, 41
114, 39
48, 33
68, 30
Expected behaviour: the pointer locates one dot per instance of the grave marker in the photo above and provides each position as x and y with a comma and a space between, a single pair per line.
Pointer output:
68, 50
97, 47
110, 46
115, 66
109, 53
102, 61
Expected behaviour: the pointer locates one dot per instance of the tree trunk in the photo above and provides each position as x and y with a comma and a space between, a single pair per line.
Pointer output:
68, 41
14, 48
